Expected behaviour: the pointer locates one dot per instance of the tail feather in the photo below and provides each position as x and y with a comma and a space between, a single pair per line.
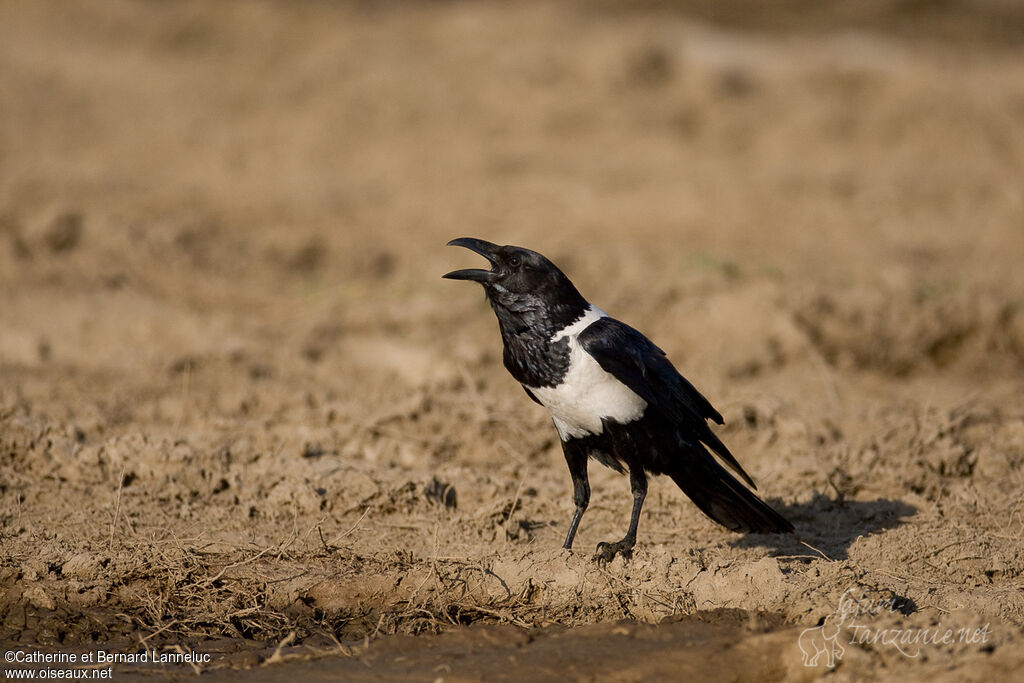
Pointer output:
724, 499
717, 446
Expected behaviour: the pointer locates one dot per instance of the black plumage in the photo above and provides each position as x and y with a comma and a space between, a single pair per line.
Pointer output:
613, 395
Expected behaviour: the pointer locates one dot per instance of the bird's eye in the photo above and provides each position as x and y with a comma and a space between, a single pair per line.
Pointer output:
514, 261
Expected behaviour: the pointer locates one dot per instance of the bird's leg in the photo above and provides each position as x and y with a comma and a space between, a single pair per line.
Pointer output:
577, 461
607, 551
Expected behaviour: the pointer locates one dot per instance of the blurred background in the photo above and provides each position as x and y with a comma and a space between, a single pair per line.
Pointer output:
162, 159
222, 230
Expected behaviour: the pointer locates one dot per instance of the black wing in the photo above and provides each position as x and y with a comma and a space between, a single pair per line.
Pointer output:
636, 362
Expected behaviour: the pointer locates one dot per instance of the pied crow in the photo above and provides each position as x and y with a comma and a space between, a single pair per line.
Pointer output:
613, 395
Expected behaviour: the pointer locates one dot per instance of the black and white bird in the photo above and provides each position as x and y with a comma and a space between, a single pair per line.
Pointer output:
613, 395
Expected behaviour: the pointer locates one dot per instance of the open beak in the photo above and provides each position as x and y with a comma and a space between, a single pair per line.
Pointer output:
485, 249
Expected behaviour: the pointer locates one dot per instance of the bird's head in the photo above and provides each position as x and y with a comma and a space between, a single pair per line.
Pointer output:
519, 279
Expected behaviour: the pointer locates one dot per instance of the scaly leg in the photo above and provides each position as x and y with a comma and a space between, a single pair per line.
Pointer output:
638, 484
576, 458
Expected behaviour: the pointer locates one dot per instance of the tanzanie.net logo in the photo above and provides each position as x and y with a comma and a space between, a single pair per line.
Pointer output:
848, 625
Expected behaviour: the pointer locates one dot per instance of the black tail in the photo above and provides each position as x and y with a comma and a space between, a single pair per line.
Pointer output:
724, 499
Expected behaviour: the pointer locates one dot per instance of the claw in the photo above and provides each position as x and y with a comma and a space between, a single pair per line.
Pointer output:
606, 552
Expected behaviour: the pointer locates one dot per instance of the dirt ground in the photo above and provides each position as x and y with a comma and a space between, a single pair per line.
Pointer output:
241, 414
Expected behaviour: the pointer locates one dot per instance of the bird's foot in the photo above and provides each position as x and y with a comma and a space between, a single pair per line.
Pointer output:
606, 552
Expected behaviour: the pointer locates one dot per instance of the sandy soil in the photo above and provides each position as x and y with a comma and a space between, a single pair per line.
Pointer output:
241, 413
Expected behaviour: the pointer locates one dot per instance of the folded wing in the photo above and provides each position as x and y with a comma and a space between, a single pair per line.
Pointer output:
635, 361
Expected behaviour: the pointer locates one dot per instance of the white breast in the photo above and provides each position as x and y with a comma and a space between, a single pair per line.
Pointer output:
587, 394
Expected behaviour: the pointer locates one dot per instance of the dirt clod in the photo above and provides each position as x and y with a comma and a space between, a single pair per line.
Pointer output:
64, 232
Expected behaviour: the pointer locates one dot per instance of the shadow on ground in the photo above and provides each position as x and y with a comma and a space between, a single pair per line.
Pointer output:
829, 525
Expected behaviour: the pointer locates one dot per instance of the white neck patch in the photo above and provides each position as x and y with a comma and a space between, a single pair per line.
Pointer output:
592, 314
